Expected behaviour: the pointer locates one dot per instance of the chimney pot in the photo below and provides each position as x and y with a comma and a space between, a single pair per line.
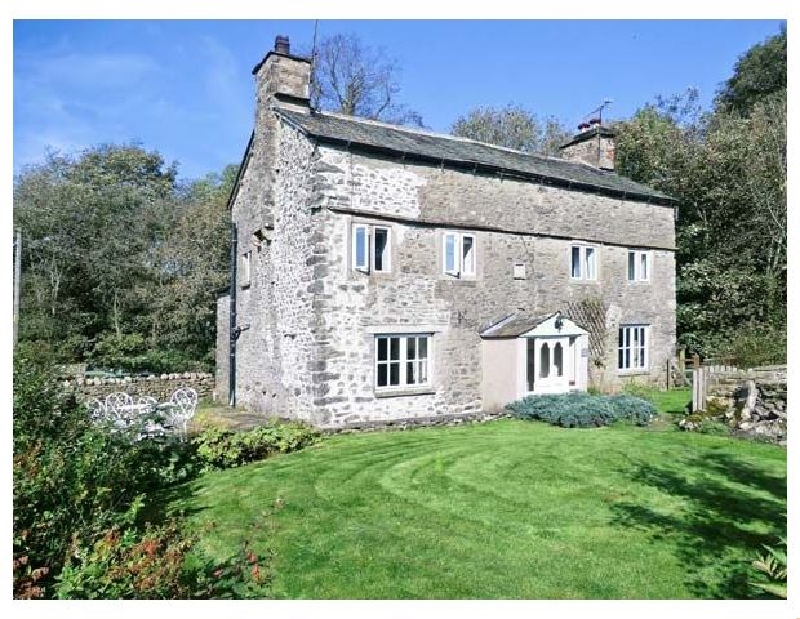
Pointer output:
583, 127
282, 44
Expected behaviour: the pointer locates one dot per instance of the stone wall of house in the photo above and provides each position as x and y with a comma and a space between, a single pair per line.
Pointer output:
442, 196
222, 364
275, 348
417, 297
160, 386
309, 349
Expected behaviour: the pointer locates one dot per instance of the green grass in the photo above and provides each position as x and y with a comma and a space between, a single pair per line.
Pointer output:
507, 509
672, 402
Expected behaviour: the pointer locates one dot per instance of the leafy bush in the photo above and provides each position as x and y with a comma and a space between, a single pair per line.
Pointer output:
72, 480
772, 568
714, 428
80, 495
220, 448
633, 408
754, 346
581, 410
129, 353
159, 563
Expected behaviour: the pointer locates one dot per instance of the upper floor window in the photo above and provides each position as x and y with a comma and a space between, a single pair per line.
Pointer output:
402, 361
632, 351
583, 262
638, 266
371, 248
459, 254
244, 278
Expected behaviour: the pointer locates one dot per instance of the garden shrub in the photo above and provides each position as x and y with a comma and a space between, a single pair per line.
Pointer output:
81, 494
159, 563
220, 448
129, 353
771, 568
72, 480
582, 410
633, 408
715, 428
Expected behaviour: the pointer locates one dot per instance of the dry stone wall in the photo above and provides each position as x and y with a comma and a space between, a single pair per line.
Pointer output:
753, 401
160, 386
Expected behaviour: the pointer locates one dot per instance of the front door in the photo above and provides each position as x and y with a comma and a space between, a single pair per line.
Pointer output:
550, 365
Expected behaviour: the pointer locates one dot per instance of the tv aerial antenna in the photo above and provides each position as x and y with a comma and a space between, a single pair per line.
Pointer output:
598, 111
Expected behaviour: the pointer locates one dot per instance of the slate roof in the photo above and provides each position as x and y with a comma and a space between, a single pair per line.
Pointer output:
478, 156
513, 326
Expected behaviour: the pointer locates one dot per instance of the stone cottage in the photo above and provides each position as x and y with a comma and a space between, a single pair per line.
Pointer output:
386, 272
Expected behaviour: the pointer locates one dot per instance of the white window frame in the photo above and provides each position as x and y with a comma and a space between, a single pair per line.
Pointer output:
583, 265
369, 248
245, 265
403, 361
364, 266
387, 257
638, 254
459, 266
635, 361
473, 270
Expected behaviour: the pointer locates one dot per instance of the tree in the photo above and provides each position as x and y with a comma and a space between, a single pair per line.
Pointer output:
89, 223
759, 73
728, 173
512, 126
121, 264
195, 262
352, 78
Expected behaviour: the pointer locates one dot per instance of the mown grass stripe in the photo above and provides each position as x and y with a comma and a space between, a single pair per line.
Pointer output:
507, 509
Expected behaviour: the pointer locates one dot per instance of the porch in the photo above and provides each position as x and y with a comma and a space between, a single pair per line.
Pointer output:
531, 356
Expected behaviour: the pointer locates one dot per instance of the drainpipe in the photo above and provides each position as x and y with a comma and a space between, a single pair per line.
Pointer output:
232, 361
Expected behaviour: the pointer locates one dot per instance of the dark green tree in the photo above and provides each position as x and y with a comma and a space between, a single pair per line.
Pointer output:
759, 73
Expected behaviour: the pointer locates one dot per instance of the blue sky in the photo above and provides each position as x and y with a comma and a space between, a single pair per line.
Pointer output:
185, 87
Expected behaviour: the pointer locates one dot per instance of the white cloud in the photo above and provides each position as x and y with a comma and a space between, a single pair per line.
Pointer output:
71, 100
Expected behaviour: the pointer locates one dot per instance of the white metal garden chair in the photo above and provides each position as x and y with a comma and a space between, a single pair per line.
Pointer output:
147, 407
117, 400
183, 403
119, 408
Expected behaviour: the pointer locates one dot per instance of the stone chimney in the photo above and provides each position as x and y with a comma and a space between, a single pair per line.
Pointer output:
593, 144
283, 79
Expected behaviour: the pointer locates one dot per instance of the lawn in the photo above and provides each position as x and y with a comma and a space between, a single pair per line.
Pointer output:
505, 509
672, 402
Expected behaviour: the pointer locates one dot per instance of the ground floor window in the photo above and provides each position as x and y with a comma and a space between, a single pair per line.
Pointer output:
402, 360
632, 349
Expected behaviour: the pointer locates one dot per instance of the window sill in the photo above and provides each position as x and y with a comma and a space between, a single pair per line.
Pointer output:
371, 274
574, 280
391, 393
456, 278
633, 372
243, 286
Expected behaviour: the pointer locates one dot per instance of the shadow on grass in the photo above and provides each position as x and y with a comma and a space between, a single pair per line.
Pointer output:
732, 509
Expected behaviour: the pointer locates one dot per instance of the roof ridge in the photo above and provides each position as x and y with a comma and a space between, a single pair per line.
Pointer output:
439, 146
447, 136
